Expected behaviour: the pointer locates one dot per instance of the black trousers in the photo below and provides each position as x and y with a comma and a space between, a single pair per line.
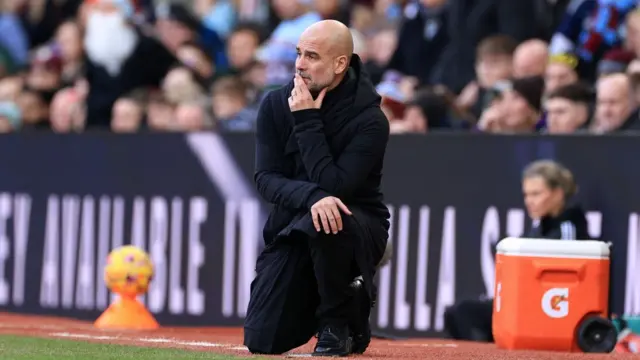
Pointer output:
300, 284
470, 320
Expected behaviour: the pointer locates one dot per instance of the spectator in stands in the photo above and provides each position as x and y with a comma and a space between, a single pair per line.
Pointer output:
242, 45
616, 107
591, 28
423, 34
568, 108
517, 107
181, 85
635, 84
45, 72
159, 112
128, 113
10, 88
120, 58
10, 117
67, 111
13, 36
632, 34
430, 109
217, 15
614, 61
548, 189
494, 64
562, 69
255, 76
380, 49
196, 59
7, 65
176, 24
230, 105
41, 18
68, 42
472, 21
530, 58
279, 51
34, 106
191, 116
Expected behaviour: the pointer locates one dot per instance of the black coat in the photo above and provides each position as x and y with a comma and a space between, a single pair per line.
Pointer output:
337, 150
571, 224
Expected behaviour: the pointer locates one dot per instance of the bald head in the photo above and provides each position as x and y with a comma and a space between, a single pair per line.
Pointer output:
324, 54
530, 58
618, 82
334, 34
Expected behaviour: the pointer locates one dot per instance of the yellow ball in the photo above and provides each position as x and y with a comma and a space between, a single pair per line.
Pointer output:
128, 271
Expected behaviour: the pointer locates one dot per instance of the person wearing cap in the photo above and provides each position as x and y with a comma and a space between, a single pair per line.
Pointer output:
45, 73
10, 117
569, 108
615, 61
562, 69
519, 104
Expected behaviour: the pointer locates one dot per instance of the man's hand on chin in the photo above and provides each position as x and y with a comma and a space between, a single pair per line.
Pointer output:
301, 98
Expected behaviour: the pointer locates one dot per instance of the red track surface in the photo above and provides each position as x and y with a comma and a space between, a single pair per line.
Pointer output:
229, 341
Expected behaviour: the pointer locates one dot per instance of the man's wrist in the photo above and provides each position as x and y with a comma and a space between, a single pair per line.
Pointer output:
316, 196
306, 115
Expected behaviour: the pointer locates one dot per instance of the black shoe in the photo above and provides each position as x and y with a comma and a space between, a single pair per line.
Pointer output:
333, 341
361, 327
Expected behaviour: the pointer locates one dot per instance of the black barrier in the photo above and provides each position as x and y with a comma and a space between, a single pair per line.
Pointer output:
190, 201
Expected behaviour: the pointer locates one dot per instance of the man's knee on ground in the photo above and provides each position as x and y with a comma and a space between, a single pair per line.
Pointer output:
268, 346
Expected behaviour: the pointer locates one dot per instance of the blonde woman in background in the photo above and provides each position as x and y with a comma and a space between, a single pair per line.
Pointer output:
548, 188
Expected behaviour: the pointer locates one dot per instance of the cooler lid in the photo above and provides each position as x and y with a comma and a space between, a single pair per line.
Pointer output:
554, 248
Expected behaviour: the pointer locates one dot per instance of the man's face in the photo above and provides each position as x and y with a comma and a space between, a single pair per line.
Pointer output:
493, 68
613, 105
173, 34
285, 9
315, 63
415, 120
10, 88
557, 75
225, 106
241, 48
518, 113
32, 107
40, 77
126, 117
159, 115
565, 116
383, 44
189, 118
69, 38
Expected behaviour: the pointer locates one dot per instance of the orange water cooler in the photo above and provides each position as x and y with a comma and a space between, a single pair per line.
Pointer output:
552, 295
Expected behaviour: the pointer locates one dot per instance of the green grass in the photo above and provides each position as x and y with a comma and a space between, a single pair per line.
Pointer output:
30, 348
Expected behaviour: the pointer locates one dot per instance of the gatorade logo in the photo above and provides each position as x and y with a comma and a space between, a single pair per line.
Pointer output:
555, 302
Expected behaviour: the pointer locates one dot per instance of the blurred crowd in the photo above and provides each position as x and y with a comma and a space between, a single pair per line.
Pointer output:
498, 66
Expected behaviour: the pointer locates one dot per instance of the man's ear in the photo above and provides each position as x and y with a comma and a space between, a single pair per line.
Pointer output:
342, 62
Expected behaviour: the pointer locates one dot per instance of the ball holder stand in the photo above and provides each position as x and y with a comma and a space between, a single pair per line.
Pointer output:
126, 313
